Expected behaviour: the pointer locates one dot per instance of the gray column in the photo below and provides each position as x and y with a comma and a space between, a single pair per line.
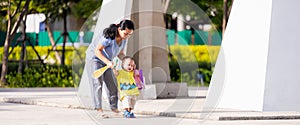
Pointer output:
148, 44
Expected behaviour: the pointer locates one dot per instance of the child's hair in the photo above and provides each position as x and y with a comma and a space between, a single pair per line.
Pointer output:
124, 58
112, 30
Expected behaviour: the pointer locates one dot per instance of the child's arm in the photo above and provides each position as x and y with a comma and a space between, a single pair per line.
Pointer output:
116, 72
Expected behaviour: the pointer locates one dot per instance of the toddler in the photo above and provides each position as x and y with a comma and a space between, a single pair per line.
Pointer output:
128, 87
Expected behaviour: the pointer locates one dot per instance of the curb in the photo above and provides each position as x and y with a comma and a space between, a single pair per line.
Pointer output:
57, 105
48, 104
164, 114
40, 103
259, 118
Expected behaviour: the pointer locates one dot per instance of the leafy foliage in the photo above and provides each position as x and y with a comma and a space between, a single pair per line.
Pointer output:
85, 8
55, 76
214, 10
53, 9
37, 76
43, 51
183, 61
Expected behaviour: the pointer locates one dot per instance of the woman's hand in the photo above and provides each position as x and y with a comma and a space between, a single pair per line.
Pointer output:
110, 64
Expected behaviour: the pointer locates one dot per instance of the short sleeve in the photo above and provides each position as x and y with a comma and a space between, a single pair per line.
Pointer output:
106, 42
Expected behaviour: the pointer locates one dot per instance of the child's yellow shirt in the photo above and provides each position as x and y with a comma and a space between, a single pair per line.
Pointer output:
126, 84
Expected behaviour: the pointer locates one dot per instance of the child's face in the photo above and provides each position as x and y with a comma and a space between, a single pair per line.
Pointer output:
129, 65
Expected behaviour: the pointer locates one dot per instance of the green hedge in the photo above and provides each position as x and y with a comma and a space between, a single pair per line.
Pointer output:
182, 67
38, 76
43, 52
187, 61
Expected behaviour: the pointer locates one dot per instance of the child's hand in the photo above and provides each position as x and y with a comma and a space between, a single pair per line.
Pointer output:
110, 64
116, 72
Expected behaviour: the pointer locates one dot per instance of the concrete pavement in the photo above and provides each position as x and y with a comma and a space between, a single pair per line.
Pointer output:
189, 107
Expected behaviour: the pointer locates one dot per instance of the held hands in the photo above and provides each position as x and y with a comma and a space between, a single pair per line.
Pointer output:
116, 72
110, 64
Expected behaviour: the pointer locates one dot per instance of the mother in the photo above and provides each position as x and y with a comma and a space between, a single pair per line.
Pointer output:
111, 45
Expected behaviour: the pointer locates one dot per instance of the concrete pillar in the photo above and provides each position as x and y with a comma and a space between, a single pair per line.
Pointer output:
258, 65
148, 44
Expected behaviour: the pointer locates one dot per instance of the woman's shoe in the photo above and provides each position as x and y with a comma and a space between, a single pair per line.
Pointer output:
102, 115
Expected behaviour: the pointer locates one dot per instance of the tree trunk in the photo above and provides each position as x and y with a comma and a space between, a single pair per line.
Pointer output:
23, 50
224, 16
52, 41
226, 13
10, 33
65, 34
5, 54
23, 42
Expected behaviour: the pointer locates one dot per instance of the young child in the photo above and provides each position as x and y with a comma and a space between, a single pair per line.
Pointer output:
127, 86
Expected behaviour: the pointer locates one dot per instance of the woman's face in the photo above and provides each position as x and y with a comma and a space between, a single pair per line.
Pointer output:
124, 34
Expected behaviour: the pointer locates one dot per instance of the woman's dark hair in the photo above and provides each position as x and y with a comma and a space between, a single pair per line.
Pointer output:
112, 30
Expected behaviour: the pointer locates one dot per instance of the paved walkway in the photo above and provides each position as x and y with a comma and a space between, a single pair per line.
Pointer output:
189, 107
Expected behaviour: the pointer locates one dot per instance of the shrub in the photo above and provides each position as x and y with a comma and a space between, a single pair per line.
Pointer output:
43, 52
193, 60
42, 76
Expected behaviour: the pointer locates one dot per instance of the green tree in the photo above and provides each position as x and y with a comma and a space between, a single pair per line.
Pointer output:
2, 17
214, 9
226, 12
15, 11
56, 10
46, 7
85, 9
217, 10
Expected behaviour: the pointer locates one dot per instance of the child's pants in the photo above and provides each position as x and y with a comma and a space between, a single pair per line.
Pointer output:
129, 101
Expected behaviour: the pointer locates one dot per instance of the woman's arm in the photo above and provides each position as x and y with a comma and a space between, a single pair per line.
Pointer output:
102, 57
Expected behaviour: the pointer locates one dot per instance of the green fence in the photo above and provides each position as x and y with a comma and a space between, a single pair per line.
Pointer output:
42, 38
180, 38
184, 37
217, 38
200, 37
31, 38
87, 37
171, 37
73, 37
